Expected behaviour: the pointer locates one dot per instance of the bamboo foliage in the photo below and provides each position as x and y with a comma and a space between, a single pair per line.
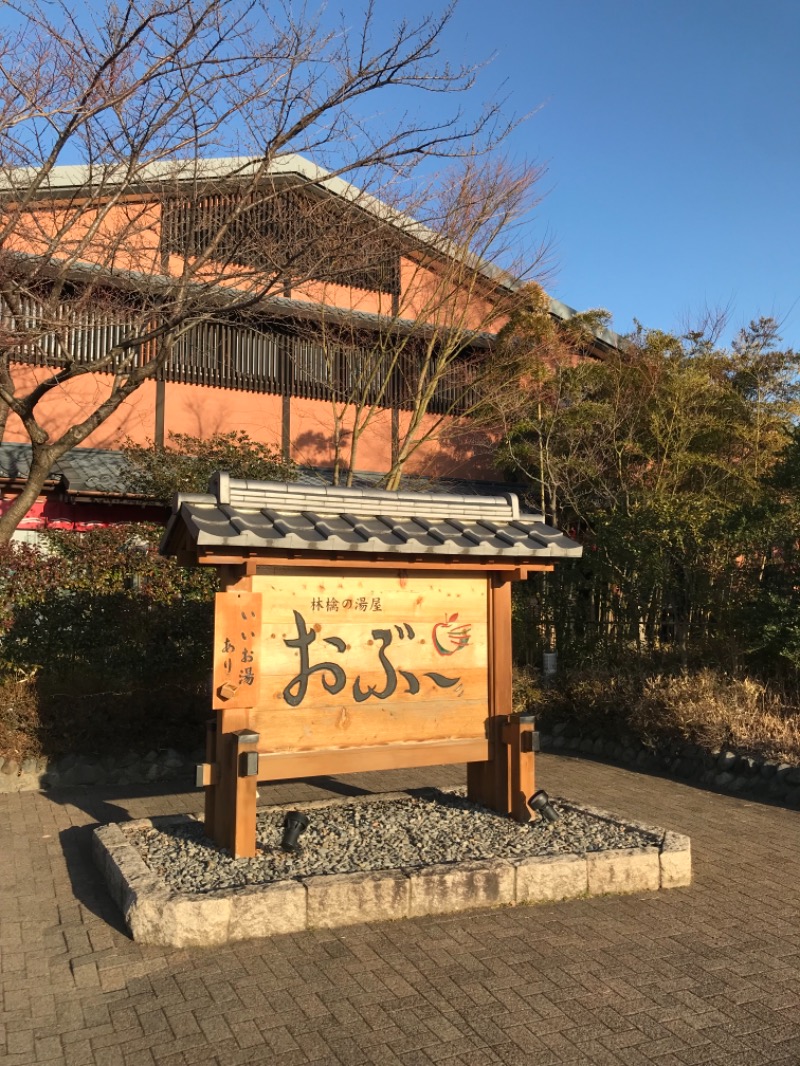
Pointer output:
671, 461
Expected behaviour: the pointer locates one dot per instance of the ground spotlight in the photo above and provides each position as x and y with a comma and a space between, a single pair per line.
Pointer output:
540, 804
294, 824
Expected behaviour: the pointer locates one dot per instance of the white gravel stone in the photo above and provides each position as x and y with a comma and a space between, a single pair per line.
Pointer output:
361, 837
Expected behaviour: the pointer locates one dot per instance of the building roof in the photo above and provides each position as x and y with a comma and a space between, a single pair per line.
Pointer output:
69, 180
97, 470
243, 515
80, 470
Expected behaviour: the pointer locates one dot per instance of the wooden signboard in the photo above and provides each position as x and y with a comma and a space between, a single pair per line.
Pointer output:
370, 657
359, 630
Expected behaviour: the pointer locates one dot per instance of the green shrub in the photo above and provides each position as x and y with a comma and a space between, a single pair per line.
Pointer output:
104, 645
187, 464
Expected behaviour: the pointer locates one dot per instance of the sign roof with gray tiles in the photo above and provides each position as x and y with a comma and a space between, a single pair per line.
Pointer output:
244, 515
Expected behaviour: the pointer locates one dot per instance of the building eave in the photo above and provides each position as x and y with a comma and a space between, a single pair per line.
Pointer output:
176, 175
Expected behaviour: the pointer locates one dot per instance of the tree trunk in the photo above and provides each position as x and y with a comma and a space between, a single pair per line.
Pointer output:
355, 440
41, 464
4, 412
337, 450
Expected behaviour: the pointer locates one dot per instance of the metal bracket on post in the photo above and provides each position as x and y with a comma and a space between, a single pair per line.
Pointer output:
246, 736
529, 738
530, 742
248, 764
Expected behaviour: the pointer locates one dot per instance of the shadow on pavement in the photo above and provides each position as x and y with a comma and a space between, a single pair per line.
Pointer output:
664, 775
102, 805
88, 885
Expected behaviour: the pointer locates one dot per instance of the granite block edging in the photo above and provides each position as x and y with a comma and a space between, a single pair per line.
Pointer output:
34, 774
156, 914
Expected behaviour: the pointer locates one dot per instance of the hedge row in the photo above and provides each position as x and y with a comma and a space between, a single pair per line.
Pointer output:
104, 645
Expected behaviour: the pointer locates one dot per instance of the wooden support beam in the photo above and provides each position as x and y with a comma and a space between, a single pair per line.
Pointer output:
223, 815
517, 737
278, 766
489, 783
211, 559
243, 843
264, 562
210, 802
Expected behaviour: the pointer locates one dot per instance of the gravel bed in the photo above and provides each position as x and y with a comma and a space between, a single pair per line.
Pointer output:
380, 835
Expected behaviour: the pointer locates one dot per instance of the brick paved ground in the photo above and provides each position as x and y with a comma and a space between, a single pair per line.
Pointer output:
709, 974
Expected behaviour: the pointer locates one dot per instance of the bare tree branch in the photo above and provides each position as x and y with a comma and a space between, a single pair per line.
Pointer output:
112, 210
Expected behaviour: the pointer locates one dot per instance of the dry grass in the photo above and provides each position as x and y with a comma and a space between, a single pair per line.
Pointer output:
716, 712
703, 708
20, 733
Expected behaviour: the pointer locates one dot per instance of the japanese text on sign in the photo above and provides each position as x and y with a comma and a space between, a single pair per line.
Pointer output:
334, 677
361, 603
237, 633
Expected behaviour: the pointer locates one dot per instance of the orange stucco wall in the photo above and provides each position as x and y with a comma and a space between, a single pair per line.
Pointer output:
455, 449
71, 403
201, 412
444, 295
124, 236
341, 296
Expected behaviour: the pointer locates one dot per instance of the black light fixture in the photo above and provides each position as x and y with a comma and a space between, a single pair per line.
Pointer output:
294, 824
540, 804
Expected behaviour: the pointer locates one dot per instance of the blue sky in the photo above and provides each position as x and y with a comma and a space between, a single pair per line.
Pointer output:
671, 132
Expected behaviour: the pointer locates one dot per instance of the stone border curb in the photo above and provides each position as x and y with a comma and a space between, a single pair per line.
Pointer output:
156, 914
730, 772
34, 774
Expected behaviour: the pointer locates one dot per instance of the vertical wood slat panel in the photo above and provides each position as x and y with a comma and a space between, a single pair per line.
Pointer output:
87, 336
235, 355
271, 220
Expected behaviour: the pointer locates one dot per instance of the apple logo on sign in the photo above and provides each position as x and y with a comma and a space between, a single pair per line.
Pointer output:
448, 638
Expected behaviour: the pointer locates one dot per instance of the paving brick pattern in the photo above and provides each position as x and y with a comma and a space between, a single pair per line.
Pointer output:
708, 974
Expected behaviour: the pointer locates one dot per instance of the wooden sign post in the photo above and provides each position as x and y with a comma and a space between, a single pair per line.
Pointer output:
324, 670
334, 663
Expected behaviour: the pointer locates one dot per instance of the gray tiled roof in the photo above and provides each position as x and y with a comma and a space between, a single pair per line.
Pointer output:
15, 460
79, 470
252, 515
102, 470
